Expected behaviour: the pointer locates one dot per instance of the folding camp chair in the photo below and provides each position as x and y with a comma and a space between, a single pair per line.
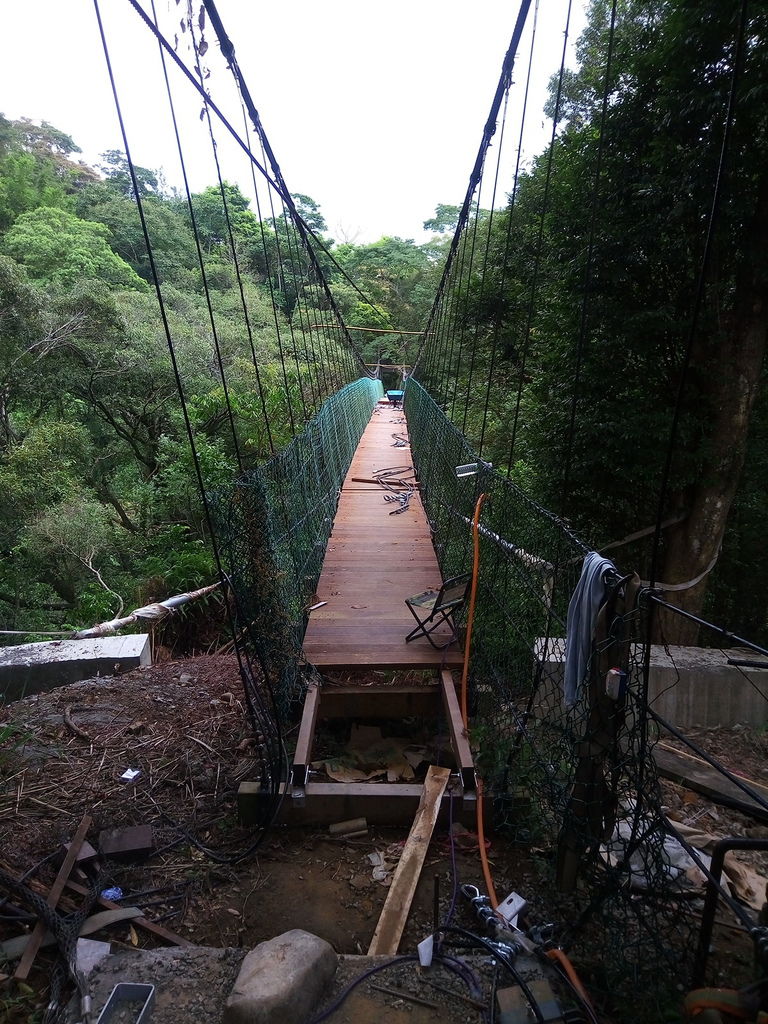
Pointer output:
437, 607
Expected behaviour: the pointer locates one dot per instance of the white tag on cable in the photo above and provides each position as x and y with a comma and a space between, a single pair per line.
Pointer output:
425, 948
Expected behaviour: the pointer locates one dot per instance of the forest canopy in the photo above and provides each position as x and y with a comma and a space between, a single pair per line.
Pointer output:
92, 436
98, 499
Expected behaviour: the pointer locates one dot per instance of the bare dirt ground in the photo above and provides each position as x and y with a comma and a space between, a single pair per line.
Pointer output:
184, 726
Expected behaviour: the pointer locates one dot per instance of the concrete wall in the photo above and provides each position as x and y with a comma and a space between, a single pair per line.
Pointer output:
35, 668
688, 686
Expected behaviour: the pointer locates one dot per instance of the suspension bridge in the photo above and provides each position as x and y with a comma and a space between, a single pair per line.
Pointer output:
322, 544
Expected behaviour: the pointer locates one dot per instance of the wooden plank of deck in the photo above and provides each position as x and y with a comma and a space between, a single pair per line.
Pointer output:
373, 562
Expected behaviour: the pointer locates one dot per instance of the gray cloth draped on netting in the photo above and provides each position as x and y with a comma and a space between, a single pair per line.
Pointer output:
580, 626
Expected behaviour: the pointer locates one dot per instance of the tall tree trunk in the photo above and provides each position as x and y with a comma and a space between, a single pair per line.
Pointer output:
731, 380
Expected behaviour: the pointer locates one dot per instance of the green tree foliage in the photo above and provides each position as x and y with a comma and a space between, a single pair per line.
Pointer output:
58, 248
98, 492
615, 285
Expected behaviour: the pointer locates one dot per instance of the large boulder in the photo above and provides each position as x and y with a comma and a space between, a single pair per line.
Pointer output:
282, 980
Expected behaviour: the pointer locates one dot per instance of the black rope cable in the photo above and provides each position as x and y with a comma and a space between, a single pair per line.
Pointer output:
310, 297
303, 279
488, 132
281, 290
280, 188
646, 710
701, 282
225, 204
435, 371
539, 241
467, 290
270, 284
201, 261
308, 406
456, 323
453, 298
272, 721
484, 269
736, 780
304, 230
505, 961
298, 285
436, 357
508, 236
581, 343
723, 634
734, 905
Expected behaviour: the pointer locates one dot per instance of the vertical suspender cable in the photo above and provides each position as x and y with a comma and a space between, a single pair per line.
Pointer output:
540, 239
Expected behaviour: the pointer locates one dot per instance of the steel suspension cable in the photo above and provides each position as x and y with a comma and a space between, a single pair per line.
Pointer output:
228, 220
484, 269
280, 187
508, 235
488, 132
701, 281
200, 260
540, 239
587, 280
270, 284
260, 716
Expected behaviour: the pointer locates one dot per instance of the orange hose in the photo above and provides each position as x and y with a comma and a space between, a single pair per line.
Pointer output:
481, 846
472, 599
464, 711
553, 954
570, 970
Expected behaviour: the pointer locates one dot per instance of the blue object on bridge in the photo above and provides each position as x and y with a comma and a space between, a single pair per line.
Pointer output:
395, 396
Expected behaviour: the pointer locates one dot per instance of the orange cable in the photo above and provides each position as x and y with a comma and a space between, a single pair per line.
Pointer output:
472, 599
464, 712
570, 970
553, 954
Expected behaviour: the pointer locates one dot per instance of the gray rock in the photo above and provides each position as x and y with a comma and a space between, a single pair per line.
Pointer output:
281, 980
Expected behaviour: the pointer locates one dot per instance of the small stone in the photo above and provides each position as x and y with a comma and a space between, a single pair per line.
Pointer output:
281, 980
185, 677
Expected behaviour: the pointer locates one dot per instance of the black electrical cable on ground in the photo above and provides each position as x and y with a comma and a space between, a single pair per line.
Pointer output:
505, 962
407, 958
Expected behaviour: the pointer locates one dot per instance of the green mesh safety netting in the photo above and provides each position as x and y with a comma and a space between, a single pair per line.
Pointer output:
273, 526
576, 786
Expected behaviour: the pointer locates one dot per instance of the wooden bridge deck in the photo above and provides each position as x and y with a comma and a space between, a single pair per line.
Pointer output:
373, 562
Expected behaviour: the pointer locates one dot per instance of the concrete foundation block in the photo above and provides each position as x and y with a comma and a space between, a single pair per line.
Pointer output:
282, 980
36, 668
687, 686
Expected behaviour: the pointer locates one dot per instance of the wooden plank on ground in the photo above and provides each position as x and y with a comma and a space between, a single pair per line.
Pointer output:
303, 753
382, 803
389, 930
459, 739
701, 777
54, 894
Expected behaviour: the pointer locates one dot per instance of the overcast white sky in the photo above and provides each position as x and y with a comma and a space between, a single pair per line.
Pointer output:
374, 110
